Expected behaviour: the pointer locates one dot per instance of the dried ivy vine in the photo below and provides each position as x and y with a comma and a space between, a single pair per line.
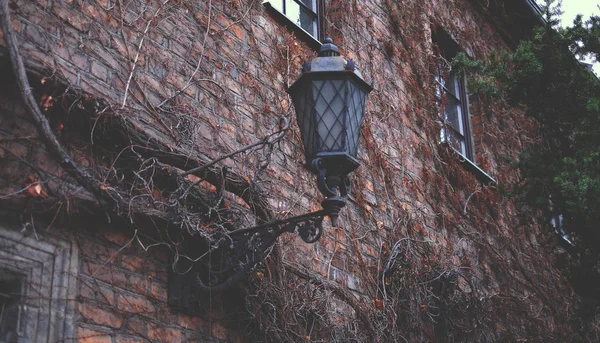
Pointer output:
419, 289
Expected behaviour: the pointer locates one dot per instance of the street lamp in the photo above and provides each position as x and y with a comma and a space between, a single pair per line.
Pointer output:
329, 97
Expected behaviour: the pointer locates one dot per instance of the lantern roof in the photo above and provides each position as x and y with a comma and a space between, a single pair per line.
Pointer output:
330, 61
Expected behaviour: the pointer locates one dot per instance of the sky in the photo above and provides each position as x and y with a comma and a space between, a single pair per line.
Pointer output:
572, 8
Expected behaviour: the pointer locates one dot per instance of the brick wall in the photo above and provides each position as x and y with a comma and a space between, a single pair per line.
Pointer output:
123, 295
228, 87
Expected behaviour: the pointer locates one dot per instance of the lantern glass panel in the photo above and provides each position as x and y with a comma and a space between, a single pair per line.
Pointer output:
330, 107
303, 102
356, 110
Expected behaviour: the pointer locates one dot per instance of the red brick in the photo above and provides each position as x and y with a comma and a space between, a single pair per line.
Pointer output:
91, 52
105, 273
132, 263
90, 336
119, 238
96, 315
69, 54
135, 304
94, 251
73, 18
237, 31
222, 20
218, 331
129, 339
103, 3
164, 334
117, 43
192, 323
98, 87
99, 71
158, 291
160, 275
138, 284
136, 326
93, 13
90, 289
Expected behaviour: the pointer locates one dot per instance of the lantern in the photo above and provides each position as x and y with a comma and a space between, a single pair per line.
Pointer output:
329, 98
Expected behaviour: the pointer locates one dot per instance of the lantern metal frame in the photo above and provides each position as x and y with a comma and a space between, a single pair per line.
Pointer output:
327, 68
240, 250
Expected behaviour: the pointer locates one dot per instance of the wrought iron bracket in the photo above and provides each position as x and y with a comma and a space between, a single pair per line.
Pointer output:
235, 253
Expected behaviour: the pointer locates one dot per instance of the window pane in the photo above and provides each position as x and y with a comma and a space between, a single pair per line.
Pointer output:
277, 4
300, 16
452, 84
292, 10
453, 114
309, 3
307, 22
439, 87
456, 141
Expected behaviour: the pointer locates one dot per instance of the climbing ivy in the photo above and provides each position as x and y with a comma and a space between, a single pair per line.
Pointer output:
560, 172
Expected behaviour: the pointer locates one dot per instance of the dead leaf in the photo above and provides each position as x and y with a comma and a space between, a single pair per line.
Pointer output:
192, 178
46, 101
156, 194
378, 303
35, 190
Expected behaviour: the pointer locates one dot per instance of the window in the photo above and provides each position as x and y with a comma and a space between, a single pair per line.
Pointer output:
11, 289
38, 280
452, 100
557, 223
302, 16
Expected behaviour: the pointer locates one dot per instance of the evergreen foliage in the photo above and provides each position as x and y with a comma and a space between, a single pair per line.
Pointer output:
561, 173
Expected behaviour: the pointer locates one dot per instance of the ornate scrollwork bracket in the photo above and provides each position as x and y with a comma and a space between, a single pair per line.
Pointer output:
235, 253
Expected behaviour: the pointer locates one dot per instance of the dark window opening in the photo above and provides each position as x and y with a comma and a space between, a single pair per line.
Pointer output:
11, 290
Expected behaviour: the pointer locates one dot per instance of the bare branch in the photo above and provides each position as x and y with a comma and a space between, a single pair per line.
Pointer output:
139, 49
360, 309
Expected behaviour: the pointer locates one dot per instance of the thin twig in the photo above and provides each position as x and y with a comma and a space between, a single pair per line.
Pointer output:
189, 81
215, 161
469, 198
268, 140
139, 49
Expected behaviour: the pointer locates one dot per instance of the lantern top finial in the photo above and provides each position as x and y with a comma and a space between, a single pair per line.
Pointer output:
329, 49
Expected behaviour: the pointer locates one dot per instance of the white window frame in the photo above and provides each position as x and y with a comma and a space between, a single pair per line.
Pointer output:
283, 11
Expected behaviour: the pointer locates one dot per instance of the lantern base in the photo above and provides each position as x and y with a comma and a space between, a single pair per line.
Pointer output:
332, 207
336, 163
333, 186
